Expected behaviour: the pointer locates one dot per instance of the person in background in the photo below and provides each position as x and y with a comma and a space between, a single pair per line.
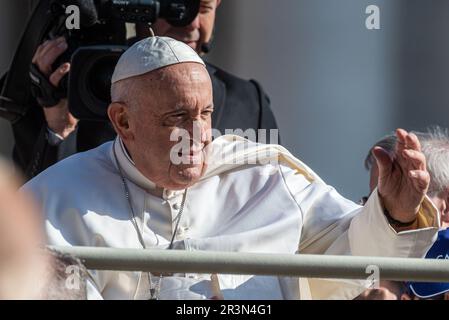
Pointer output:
435, 146
239, 104
431, 290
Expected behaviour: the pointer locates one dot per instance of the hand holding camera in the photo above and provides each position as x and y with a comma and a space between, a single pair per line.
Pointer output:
58, 117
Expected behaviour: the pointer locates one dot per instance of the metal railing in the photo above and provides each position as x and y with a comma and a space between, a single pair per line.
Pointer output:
308, 266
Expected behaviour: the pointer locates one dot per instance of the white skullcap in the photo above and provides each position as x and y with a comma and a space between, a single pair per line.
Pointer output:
151, 54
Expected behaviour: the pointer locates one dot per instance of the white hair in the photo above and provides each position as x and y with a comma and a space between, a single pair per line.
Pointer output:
435, 146
122, 91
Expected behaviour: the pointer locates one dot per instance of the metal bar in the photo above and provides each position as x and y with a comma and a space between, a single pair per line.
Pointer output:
309, 266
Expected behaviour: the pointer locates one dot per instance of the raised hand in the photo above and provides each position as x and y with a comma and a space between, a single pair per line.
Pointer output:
403, 177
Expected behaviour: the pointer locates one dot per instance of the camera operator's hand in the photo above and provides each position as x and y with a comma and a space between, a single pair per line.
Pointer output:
58, 117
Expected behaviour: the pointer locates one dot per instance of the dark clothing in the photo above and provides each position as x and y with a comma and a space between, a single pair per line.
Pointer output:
239, 104
32, 153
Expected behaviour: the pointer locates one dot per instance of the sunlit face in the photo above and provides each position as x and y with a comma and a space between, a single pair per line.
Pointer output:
198, 32
173, 100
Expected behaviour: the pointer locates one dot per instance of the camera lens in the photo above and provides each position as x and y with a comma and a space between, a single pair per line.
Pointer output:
99, 77
179, 13
94, 82
90, 79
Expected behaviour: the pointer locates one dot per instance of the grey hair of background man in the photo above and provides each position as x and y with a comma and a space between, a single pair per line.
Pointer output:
435, 146
122, 91
57, 288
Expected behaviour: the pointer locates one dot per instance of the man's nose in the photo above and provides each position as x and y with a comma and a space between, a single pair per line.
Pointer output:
195, 24
198, 130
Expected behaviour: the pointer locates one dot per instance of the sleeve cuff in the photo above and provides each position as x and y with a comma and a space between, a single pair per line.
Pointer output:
370, 234
428, 215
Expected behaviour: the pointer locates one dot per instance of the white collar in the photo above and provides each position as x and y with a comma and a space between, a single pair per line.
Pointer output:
133, 174
128, 167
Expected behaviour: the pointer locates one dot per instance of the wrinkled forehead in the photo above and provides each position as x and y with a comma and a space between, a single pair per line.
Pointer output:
174, 85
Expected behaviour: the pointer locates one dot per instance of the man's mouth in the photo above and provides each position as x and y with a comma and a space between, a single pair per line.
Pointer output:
190, 39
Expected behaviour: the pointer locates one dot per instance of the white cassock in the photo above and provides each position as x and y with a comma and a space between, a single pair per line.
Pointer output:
261, 208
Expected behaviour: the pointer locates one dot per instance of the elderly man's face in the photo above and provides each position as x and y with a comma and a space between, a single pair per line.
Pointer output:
170, 103
196, 33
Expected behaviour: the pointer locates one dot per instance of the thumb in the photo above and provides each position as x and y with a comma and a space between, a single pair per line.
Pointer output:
384, 161
56, 76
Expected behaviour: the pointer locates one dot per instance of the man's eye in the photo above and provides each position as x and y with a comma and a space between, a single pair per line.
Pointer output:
177, 116
206, 9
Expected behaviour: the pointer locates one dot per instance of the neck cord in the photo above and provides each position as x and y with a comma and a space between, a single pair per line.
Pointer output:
154, 292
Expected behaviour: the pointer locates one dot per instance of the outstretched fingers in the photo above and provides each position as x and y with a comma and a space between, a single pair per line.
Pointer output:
415, 159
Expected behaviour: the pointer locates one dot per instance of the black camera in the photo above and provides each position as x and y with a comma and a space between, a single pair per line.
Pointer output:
93, 49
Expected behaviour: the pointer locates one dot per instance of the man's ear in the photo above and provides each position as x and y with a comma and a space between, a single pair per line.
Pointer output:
445, 217
119, 115
218, 3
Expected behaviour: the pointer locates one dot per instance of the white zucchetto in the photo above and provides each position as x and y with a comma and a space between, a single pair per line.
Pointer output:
151, 54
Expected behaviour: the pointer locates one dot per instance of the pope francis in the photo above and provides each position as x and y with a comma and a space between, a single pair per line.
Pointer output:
228, 194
